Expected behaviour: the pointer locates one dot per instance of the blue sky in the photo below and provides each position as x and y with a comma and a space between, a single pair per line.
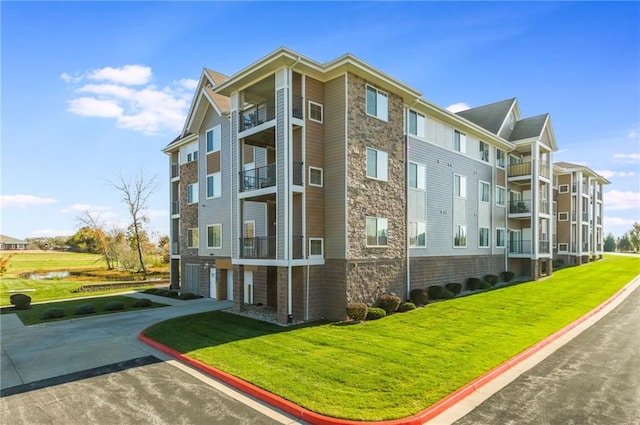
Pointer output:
90, 89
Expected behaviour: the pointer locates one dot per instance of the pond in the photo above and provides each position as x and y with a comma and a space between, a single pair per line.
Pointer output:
47, 275
91, 276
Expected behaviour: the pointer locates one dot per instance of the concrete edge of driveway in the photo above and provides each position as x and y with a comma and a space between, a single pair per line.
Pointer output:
450, 408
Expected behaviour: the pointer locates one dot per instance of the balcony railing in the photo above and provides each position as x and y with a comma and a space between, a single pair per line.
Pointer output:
258, 178
519, 247
175, 170
544, 207
175, 248
585, 216
258, 114
544, 170
520, 207
297, 107
585, 246
298, 170
175, 207
264, 247
523, 169
544, 247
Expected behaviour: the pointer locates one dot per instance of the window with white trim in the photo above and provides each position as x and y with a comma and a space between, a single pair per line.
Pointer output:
417, 234
500, 158
459, 236
484, 151
500, 238
315, 176
459, 186
563, 188
563, 247
192, 238
192, 193
214, 139
416, 124
315, 111
214, 236
377, 103
377, 164
316, 247
459, 141
483, 237
417, 176
563, 216
484, 192
501, 195
214, 185
377, 231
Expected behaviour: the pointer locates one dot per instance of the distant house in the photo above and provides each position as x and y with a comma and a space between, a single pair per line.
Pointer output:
13, 244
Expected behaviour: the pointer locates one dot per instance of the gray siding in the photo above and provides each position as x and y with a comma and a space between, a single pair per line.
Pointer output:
281, 168
335, 172
234, 183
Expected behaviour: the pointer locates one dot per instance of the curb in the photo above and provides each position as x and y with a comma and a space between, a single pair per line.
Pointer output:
417, 419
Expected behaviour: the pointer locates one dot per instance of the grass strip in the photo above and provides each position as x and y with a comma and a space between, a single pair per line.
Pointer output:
395, 367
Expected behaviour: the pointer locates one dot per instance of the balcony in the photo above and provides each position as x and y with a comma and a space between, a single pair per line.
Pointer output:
544, 247
544, 207
264, 247
585, 216
175, 207
520, 207
520, 247
544, 171
297, 107
298, 170
175, 170
175, 248
258, 178
516, 170
258, 114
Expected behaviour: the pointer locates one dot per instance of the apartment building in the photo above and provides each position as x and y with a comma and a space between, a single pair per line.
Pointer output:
304, 186
579, 209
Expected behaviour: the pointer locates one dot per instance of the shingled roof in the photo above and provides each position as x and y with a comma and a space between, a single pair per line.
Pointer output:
528, 127
491, 116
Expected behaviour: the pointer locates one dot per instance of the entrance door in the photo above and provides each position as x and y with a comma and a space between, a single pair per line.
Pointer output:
230, 285
248, 287
213, 274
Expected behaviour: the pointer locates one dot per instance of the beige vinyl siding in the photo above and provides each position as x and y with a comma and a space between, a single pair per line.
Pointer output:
213, 162
564, 205
335, 171
314, 152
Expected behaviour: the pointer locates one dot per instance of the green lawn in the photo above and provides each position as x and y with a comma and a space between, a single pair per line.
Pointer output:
400, 365
33, 315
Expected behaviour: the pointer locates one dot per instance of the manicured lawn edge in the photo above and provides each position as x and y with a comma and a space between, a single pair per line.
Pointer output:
420, 417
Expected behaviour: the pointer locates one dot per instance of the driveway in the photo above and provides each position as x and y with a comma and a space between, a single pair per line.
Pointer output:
94, 370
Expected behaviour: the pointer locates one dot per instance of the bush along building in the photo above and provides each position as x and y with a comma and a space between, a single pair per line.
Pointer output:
305, 186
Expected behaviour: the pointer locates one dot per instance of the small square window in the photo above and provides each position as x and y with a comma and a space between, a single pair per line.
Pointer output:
315, 176
563, 216
316, 247
563, 188
315, 112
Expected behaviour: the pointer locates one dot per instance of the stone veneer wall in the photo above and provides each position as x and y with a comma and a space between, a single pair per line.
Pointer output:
427, 271
188, 220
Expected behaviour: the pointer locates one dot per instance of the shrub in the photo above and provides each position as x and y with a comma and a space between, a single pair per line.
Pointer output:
447, 295
142, 302
507, 276
163, 292
172, 294
20, 301
375, 313
114, 306
492, 279
54, 313
85, 309
357, 311
406, 306
389, 303
419, 296
152, 291
473, 283
456, 288
434, 292
485, 285
188, 296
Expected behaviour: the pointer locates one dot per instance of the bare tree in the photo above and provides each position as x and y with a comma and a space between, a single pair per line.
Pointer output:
135, 194
94, 221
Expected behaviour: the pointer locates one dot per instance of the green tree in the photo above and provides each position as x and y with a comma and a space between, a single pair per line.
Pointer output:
163, 246
623, 243
609, 243
4, 264
634, 237
86, 240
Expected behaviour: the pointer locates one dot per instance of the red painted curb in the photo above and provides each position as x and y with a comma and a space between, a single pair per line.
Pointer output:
417, 419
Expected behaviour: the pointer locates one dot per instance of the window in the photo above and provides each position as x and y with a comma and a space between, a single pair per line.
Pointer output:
192, 156
483, 237
500, 158
377, 164
192, 238
459, 236
316, 247
377, 103
500, 196
484, 151
315, 176
417, 234
563, 247
377, 231
214, 185
315, 112
484, 192
563, 188
214, 139
416, 124
214, 236
459, 186
563, 216
417, 174
192, 193
459, 141
500, 238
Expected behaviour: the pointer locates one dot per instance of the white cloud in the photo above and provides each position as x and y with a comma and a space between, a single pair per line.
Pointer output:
632, 134
188, 83
92, 107
45, 233
129, 74
457, 107
616, 200
627, 157
24, 201
607, 174
85, 207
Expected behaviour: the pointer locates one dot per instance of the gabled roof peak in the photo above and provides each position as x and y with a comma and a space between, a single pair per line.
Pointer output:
491, 116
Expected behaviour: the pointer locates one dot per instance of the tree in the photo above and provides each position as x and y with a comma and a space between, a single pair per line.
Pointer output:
163, 247
4, 264
609, 243
623, 243
94, 222
634, 237
135, 194
86, 240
